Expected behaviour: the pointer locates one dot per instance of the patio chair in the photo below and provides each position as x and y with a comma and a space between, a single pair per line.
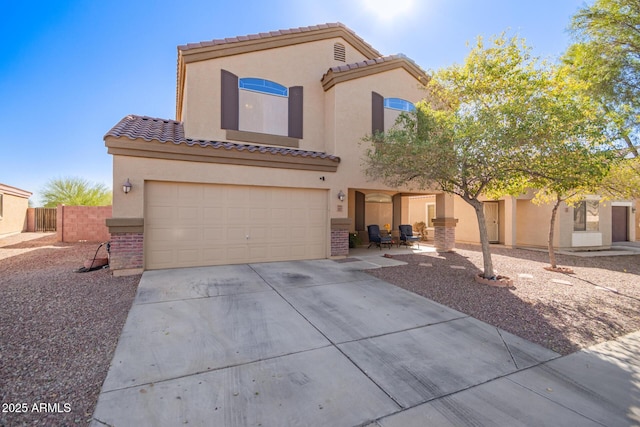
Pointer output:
375, 237
406, 235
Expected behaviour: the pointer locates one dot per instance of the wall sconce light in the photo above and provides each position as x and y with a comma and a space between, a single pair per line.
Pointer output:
341, 196
126, 187
633, 210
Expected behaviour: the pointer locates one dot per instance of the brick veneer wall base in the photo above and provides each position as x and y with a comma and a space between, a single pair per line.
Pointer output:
339, 242
444, 238
126, 251
83, 223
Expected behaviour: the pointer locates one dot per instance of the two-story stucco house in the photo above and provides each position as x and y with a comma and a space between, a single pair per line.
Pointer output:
264, 159
264, 162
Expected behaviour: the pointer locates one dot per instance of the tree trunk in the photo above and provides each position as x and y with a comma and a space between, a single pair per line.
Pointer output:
484, 239
632, 148
552, 223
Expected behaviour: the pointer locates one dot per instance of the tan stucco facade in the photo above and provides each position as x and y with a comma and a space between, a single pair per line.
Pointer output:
332, 105
336, 111
13, 209
526, 224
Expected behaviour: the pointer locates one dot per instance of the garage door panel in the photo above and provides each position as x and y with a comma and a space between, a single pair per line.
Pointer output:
160, 193
236, 216
159, 213
207, 224
189, 192
315, 215
162, 257
280, 233
212, 195
211, 215
315, 232
187, 255
187, 235
161, 234
260, 215
211, 255
188, 214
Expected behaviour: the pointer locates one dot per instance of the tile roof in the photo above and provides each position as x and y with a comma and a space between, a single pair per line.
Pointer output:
171, 131
342, 73
368, 62
270, 34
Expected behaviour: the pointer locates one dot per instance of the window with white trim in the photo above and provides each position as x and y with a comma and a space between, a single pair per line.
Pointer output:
393, 107
264, 106
586, 216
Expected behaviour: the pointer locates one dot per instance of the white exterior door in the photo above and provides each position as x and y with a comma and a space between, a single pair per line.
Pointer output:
208, 224
491, 216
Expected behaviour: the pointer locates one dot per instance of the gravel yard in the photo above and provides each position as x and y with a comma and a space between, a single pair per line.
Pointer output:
562, 312
58, 330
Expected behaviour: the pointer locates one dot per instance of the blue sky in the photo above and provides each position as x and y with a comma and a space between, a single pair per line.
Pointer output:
71, 69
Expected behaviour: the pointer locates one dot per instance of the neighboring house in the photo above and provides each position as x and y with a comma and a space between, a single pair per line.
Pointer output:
264, 159
13, 210
590, 225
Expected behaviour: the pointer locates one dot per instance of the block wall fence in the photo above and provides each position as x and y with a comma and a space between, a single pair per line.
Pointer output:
83, 223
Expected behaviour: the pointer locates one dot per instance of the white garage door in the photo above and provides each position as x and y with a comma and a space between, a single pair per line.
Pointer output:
190, 225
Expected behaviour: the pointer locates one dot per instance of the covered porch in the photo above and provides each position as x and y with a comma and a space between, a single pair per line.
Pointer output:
430, 215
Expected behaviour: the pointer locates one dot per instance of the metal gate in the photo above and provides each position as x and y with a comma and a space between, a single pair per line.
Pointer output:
46, 219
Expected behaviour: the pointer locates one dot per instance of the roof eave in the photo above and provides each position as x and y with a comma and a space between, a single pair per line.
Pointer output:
168, 150
331, 78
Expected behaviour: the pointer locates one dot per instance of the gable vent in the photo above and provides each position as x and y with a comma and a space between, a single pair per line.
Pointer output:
339, 52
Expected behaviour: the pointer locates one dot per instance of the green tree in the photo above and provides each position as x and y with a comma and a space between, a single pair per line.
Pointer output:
494, 126
475, 132
74, 191
575, 159
623, 180
606, 55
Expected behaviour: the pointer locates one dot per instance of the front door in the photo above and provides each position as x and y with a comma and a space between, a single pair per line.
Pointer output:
619, 223
491, 219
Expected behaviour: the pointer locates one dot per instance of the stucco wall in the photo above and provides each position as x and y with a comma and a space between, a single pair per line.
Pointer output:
297, 65
637, 219
533, 224
349, 120
14, 214
467, 228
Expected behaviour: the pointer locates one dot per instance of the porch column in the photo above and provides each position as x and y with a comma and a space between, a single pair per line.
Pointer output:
510, 222
444, 224
127, 246
340, 236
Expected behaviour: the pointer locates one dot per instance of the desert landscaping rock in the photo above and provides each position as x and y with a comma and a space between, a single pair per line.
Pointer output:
559, 317
59, 329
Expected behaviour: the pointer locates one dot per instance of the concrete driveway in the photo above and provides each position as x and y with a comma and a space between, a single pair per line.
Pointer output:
320, 343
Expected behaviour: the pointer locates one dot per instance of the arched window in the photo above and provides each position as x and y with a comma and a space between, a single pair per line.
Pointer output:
385, 111
263, 86
398, 104
393, 107
264, 106
251, 105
